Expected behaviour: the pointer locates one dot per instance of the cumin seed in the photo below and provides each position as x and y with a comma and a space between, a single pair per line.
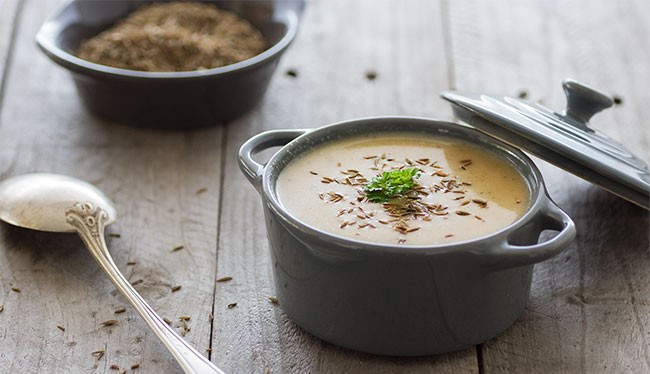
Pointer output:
176, 288
131, 263
60, 327
313, 172
119, 310
449, 235
99, 354
167, 321
201, 190
15, 289
114, 235
184, 318
231, 305
135, 366
224, 279
273, 299
109, 322
178, 248
114, 367
462, 213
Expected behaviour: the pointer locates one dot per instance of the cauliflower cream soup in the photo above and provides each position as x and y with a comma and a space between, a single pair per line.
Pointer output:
398, 188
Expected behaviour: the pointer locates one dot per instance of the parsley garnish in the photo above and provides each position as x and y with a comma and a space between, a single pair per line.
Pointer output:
390, 184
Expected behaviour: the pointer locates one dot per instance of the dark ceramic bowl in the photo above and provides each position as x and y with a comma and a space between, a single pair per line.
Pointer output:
169, 100
403, 300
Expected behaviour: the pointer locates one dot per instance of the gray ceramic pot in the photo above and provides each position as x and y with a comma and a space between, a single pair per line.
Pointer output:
402, 300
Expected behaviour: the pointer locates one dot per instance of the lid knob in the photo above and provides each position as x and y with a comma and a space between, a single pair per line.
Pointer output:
582, 102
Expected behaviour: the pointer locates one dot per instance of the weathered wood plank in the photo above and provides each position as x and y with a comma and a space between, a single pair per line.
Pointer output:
589, 306
338, 43
154, 178
7, 26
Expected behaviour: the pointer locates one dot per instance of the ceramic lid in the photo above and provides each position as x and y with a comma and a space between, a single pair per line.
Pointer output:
564, 139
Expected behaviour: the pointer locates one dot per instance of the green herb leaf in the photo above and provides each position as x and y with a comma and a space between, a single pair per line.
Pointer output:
390, 184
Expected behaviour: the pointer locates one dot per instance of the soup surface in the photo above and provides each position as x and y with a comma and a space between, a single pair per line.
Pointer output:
458, 191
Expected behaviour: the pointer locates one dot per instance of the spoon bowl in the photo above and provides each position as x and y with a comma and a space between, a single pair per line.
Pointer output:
57, 203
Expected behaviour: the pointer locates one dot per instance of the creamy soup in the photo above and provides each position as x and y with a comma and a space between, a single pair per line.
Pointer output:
458, 191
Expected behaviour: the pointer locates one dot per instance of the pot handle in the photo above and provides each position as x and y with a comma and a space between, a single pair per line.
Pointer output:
273, 138
549, 217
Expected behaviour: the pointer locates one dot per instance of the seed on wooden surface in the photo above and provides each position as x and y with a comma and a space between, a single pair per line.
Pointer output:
15, 289
60, 327
114, 235
292, 73
231, 305
178, 248
119, 310
201, 190
99, 354
109, 322
224, 279
273, 299
176, 288
371, 75
184, 318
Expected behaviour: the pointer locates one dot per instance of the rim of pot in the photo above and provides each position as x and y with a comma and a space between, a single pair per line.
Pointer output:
534, 182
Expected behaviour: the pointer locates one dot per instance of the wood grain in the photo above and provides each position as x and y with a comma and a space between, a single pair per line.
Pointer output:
154, 178
589, 306
10, 11
402, 43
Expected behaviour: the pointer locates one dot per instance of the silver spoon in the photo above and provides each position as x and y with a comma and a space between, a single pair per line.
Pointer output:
56, 203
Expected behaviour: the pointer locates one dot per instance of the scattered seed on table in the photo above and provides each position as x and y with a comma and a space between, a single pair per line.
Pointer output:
177, 248
99, 354
273, 299
114, 367
119, 310
114, 235
135, 366
184, 318
60, 327
109, 322
231, 305
292, 73
131, 263
15, 289
176, 288
136, 282
371, 75
224, 279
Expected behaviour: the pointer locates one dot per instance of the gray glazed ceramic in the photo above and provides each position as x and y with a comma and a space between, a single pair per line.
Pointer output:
168, 100
564, 139
401, 300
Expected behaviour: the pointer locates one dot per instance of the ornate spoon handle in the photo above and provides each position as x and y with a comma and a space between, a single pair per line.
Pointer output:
89, 221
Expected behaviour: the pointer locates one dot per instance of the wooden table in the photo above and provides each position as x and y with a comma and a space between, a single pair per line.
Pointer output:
589, 308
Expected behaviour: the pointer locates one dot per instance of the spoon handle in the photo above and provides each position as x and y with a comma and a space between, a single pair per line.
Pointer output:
89, 221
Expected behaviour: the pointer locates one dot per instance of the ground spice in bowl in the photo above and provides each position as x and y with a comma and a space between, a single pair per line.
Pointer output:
178, 36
